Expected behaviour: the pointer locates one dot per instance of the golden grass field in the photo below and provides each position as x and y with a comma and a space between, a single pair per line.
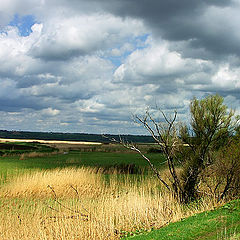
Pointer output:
80, 204
49, 141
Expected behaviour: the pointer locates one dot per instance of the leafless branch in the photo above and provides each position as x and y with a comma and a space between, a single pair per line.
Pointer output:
134, 148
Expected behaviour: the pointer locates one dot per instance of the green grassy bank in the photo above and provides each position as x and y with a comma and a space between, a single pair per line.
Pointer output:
221, 223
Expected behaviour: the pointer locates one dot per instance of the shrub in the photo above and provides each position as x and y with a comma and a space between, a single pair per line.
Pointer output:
222, 178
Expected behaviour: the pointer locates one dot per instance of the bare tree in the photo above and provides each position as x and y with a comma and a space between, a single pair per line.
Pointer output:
165, 134
190, 147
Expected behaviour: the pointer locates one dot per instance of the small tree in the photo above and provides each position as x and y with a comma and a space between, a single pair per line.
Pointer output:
211, 128
190, 147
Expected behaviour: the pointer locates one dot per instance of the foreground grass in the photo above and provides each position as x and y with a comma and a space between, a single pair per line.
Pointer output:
221, 223
79, 204
65, 195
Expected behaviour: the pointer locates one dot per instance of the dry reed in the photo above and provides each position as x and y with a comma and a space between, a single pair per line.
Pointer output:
79, 204
35, 154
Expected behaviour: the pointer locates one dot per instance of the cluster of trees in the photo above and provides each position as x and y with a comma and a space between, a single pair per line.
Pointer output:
202, 157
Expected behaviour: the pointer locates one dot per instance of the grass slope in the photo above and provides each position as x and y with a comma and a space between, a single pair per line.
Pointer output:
221, 223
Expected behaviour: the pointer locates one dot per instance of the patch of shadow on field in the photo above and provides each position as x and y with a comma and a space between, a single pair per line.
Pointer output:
121, 169
11, 146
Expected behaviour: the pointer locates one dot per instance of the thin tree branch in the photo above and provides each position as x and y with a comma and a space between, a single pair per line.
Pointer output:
134, 148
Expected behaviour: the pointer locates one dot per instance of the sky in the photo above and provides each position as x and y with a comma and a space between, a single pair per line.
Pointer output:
90, 65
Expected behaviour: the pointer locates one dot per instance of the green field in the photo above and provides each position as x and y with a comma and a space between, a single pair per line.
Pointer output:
120, 159
221, 223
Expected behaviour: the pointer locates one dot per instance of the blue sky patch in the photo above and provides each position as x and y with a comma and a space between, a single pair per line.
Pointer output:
23, 23
138, 43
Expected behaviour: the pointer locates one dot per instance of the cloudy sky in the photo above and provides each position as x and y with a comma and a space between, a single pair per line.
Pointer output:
88, 65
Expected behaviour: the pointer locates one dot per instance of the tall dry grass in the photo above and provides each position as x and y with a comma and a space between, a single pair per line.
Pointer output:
80, 204
23, 156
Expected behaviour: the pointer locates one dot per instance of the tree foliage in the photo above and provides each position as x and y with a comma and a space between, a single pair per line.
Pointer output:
192, 148
212, 127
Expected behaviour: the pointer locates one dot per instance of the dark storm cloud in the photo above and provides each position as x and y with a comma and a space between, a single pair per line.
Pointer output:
186, 20
153, 10
207, 25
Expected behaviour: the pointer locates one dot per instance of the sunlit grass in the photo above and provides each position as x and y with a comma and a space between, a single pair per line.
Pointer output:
78, 203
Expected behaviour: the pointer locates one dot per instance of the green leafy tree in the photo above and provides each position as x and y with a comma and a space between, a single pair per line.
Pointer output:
192, 148
212, 126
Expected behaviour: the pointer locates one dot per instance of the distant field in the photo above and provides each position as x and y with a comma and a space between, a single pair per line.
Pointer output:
77, 159
84, 137
18, 157
48, 141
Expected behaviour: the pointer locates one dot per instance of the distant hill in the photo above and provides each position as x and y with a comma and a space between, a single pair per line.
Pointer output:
72, 136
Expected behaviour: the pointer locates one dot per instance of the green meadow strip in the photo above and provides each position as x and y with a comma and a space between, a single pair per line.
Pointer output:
221, 223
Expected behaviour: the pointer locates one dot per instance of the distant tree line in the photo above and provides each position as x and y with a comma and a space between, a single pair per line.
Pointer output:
72, 136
